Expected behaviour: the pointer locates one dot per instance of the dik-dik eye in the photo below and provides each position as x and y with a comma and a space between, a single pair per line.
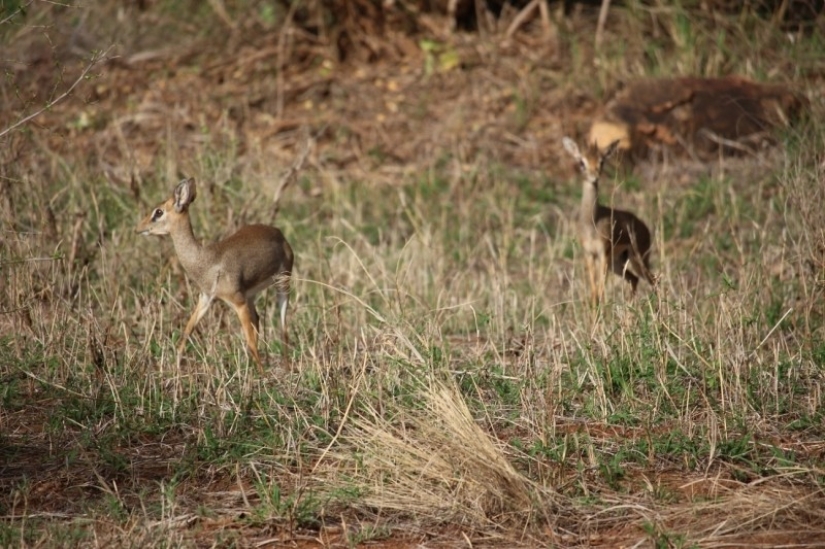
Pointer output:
157, 214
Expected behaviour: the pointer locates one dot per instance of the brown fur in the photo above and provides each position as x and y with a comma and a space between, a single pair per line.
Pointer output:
234, 269
612, 239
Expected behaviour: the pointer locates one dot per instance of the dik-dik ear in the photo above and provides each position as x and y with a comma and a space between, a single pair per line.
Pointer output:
611, 148
607, 153
571, 147
185, 194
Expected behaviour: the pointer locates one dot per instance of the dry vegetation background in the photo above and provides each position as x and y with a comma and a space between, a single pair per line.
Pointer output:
451, 384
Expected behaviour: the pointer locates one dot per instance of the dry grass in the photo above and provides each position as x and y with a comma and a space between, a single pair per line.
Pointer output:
435, 463
452, 384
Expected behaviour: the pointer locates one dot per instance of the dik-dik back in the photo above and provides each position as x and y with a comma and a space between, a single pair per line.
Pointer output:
249, 260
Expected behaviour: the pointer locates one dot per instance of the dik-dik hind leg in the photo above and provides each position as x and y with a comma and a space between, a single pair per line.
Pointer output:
642, 266
282, 286
245, 308
621, 262
283, 305
641, 262
633, 279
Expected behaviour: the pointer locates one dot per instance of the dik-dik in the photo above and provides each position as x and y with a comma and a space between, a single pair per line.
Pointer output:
234, 269
611, 238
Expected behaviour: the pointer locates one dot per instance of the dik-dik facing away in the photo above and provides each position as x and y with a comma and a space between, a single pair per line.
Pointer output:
611, 238
234, 270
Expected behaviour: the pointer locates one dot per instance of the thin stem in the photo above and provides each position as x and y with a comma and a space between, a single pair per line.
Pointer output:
95, 60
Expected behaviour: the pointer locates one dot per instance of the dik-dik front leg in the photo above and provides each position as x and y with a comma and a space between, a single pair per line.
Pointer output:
204, 301
596, 271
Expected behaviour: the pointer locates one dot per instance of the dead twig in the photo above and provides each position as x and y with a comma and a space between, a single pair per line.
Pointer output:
522, 17
544, 10
282, 56
220, 10
723, 142
12, 15
95, 60
602, 20
292, 173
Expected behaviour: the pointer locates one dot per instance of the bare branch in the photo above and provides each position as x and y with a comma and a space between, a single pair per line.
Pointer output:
20, 9
523, 15
602, 20
282, 55
292, 173
95, 60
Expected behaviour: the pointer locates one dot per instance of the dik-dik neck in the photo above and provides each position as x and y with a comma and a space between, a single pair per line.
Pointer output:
189, 250
590, 200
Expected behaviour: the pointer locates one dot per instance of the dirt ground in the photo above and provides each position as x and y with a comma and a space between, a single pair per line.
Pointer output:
390, 106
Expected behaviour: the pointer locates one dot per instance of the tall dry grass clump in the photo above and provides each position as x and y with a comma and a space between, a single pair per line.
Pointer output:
433, 461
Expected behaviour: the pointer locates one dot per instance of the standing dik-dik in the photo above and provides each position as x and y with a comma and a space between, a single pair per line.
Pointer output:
234, 270
614, 239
